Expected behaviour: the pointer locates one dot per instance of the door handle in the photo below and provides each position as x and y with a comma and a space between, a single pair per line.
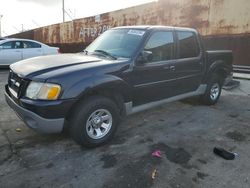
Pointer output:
17, 51
172, 67
166, 68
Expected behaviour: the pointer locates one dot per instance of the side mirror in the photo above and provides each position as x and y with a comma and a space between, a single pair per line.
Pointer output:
144, 57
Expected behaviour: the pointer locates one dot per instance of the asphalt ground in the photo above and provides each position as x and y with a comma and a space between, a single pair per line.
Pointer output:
185, 132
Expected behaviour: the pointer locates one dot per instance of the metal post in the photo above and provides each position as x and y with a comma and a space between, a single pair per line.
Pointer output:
1, 25
63, 10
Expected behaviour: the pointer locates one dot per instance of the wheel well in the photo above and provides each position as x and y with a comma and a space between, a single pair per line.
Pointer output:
221, 73
114, 96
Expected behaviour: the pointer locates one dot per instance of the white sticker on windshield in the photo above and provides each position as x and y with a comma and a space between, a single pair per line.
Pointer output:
136, 32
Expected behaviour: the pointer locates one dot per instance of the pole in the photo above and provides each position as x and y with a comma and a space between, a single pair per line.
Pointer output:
1, 25
63, 10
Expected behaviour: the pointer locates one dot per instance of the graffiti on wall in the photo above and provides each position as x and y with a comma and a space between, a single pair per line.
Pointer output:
93, 32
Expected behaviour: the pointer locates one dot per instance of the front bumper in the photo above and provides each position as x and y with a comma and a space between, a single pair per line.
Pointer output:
34, 121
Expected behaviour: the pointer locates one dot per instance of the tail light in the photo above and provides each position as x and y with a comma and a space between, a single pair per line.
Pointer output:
58, 50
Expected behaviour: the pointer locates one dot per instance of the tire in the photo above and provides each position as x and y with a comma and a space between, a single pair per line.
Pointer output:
213, 90
94, 121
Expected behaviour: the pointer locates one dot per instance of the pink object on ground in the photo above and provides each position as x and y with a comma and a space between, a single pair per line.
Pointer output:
156, 153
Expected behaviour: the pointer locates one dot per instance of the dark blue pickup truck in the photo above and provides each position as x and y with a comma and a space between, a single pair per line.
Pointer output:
124, 71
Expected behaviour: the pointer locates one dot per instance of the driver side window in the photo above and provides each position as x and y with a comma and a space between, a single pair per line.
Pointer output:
11, 45
6, 45
161, 44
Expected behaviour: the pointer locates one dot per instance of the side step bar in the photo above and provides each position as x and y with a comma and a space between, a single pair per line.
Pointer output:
132, 110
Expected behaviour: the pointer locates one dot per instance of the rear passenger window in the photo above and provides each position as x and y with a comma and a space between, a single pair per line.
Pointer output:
161, 44
188, 46
29, 44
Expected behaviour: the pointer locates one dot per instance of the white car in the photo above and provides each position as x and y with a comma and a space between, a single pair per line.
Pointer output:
13, 50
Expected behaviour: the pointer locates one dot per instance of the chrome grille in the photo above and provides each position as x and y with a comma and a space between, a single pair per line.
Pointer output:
16, 84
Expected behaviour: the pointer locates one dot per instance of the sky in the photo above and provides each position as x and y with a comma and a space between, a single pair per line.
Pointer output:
21, 15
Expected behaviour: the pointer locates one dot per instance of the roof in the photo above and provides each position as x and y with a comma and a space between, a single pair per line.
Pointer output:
13, 39
149, 27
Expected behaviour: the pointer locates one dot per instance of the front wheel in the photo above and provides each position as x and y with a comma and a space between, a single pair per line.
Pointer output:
213, 91
94, 121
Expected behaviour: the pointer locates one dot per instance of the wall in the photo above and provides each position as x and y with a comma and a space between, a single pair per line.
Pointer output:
225, 24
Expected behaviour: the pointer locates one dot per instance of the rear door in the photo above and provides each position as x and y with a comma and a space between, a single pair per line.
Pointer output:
31, 49
189, 64
10, 52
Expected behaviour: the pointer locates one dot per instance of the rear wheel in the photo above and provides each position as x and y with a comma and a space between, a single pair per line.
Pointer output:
213, 90
94, 121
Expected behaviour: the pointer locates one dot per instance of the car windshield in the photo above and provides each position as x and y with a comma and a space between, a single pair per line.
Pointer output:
117, 43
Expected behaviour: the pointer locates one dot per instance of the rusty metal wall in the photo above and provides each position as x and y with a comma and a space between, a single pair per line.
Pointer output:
216, 20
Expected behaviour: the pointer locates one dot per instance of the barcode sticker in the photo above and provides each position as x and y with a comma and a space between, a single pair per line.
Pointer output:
136, 32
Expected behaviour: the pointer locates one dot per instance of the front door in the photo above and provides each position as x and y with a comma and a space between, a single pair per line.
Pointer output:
152, 80
10, 52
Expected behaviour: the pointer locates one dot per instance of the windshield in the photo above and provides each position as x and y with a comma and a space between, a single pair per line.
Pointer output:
117, 42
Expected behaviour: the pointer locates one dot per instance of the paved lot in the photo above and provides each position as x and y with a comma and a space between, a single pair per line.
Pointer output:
185, 132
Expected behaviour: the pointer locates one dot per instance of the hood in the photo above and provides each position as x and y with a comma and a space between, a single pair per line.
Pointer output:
42, 64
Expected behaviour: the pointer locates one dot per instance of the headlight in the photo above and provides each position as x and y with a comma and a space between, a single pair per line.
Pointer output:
43, 91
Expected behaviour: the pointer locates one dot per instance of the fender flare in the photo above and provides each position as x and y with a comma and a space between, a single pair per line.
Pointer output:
216, 67
99, 82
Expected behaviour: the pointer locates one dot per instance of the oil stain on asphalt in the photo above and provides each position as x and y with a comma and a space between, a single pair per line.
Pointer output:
109, 160
236, 136
175, 155
136, 171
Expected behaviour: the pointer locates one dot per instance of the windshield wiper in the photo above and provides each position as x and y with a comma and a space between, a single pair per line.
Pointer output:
105, 53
